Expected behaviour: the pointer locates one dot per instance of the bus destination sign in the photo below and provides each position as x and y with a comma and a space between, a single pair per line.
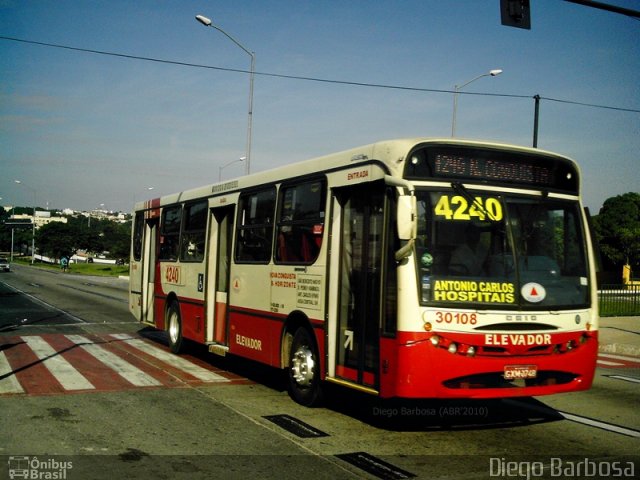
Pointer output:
448, 165
479, 164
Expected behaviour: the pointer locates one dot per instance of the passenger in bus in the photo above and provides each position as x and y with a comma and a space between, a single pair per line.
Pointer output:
468, 259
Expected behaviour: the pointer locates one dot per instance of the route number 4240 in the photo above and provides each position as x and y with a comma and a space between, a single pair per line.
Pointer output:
457, 207
172, 275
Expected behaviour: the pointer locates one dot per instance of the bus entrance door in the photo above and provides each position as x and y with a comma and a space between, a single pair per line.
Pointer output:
358, 266
148, 268
217, 293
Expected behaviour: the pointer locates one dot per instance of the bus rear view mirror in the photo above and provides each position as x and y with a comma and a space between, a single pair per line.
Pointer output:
407, 217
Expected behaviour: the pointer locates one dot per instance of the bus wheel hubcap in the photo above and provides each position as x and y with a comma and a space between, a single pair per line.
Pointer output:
302, 365
173, 328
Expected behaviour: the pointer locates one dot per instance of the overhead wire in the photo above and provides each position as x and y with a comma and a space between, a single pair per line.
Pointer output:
308, 79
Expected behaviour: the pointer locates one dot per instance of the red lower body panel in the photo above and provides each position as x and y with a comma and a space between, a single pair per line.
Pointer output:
415, 366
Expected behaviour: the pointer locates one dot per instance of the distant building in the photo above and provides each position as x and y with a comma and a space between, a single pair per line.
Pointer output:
42, 218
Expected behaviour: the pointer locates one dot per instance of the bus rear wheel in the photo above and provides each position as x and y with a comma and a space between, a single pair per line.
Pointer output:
304, 370
174, 327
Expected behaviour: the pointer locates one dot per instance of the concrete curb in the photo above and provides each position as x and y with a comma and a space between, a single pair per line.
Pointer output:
620, 335
620, 349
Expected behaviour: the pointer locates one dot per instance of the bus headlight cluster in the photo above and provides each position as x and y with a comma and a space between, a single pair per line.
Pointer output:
453, 347
572, 344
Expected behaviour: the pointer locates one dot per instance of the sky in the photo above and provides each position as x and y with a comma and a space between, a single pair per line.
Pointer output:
84, 130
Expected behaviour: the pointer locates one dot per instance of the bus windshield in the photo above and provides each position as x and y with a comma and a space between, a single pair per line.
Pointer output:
489, 251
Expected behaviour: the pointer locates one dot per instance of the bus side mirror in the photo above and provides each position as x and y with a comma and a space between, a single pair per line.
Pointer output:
407, 217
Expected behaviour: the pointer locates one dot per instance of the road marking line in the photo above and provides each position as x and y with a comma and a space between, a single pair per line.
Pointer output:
129, 372
8, 381
609, 364
602, 425
173, 360
619, 357
626, 379
60, 368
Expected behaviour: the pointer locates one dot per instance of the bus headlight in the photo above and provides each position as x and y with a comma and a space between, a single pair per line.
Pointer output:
453, 348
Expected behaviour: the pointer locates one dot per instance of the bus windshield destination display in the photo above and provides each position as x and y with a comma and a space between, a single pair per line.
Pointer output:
493, 166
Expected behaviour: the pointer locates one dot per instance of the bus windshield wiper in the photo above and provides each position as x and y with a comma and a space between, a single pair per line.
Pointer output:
460, 189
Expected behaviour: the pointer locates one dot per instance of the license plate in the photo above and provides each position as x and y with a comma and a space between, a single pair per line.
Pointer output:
515, 372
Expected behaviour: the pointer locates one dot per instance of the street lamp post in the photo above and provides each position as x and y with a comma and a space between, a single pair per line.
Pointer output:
241, 159
33, 222
492, 73
208, 23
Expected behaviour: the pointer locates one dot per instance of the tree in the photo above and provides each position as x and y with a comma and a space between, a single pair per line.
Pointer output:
21, 234
617, 227
57, 239
65, 239
117, 239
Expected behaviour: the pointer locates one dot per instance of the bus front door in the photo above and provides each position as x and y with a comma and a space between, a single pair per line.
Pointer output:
217, 293
357, 271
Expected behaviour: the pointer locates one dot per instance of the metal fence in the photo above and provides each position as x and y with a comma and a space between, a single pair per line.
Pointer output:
619, 300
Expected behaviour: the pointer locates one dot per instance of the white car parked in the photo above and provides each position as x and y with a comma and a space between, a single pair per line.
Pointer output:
5, 266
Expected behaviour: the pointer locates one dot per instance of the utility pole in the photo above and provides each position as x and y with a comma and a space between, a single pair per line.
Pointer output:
536, 117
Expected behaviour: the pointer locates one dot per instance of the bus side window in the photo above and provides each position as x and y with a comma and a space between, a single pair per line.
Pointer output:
255, 226
170, 233
301, 219
138, 236
194, 232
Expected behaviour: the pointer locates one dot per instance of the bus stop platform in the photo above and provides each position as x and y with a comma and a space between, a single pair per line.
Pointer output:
620, 335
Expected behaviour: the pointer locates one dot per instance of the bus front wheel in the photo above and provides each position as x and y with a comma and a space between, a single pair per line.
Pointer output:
174, 327
304, 370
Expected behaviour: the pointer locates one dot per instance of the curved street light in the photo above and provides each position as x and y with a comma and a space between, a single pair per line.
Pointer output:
208, 23
241, 159
457, 88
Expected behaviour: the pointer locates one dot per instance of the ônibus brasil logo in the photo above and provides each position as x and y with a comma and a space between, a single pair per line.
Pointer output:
34, 468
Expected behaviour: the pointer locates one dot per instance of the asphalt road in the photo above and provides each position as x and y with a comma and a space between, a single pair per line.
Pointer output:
34, 297
231, 418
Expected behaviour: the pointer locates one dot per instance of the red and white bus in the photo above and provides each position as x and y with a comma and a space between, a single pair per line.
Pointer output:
417, 268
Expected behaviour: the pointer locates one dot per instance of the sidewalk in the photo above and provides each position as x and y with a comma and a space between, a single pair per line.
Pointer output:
620, 335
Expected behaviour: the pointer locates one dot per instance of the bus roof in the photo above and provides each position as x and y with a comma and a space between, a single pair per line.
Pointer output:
392, 153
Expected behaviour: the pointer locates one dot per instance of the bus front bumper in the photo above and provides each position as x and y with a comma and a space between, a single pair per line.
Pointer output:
450, 365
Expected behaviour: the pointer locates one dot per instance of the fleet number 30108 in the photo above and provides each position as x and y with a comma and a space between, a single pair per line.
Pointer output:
457, 318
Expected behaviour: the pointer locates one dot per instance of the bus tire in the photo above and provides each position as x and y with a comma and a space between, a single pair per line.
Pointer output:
174, 327
304, 370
